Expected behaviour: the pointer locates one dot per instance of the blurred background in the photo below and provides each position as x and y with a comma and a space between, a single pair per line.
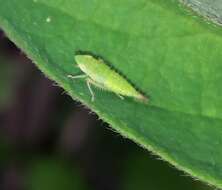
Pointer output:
48, 141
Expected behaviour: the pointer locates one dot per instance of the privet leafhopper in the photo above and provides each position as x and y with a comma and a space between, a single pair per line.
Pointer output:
98, 73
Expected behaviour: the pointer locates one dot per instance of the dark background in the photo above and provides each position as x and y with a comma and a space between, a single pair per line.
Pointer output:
48, 141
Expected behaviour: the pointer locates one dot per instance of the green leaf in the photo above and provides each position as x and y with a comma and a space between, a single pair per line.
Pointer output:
166, 52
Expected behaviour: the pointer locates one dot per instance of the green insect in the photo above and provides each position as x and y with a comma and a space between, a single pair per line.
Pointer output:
98, 73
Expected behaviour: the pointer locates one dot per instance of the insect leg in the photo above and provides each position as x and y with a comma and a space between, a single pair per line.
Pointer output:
90, 89
77, 76
121, 97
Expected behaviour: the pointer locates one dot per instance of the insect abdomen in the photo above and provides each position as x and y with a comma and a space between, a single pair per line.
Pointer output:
121, 86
